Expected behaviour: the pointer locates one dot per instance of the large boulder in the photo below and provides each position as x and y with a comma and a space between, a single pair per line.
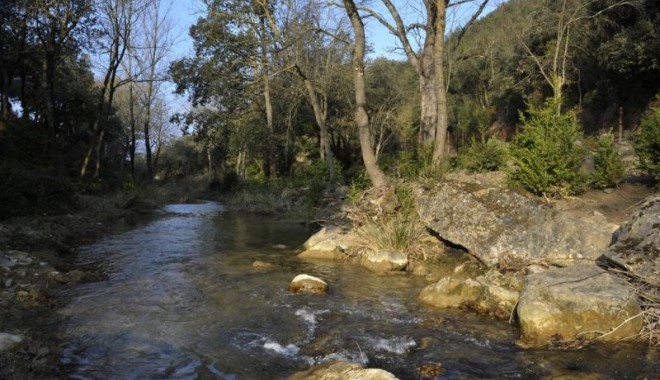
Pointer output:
304, 283
578, 302
493, 223
384, 261
328, 243
636, 246
342, 371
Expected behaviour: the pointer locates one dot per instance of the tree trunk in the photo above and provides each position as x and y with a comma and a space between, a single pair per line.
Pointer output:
132, 121
376, 175
440, 88
620, 123
99, 153
147, 147
429, 105
209, 157
47, 89
6, 81
271, 164
320, 114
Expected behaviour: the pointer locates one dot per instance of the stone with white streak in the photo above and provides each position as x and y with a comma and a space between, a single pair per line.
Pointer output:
304, 283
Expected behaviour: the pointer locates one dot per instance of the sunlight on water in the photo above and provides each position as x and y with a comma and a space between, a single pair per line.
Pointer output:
183, 301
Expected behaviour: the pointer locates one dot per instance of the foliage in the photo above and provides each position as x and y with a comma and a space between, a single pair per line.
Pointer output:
413, 164
608, 167
547, 154
314, 177
647, 142
478, 157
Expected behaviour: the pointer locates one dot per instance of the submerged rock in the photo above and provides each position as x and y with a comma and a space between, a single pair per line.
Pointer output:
262, 265
499, 294
493, 294
493, 222
384, 261
636, 246
304, 283
578, 302
342, 371
451, 293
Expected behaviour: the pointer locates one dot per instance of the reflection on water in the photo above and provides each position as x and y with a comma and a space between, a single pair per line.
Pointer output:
183, 301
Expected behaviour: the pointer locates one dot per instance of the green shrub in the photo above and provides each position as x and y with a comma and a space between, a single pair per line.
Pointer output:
315, 177
547, 154
647, 142
608, 168
478, 157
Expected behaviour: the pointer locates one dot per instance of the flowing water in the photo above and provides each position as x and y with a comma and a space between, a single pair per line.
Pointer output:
183, 301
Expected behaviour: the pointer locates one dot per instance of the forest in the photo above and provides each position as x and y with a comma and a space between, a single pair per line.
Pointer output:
290, 93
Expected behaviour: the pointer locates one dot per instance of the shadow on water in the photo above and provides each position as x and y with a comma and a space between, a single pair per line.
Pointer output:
183, 301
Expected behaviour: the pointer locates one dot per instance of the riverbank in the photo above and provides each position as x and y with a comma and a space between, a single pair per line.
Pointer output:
38, 256
38, 259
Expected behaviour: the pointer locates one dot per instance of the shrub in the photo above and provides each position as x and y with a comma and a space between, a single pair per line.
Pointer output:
647, 142
608, 168
547, 154
402, 232
478, 157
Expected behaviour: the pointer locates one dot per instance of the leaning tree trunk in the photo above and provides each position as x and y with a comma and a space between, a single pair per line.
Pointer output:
376, 175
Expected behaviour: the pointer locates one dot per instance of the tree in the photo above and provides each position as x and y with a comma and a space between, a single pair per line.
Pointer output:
429, 63
150, 51
59, 27
376, 175
304, 50
115, 19
553, 58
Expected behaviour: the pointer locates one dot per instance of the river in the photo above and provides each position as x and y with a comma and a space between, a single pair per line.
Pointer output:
182, 300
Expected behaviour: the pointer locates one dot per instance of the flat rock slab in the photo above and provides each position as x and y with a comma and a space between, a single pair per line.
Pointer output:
581, 301
493, 222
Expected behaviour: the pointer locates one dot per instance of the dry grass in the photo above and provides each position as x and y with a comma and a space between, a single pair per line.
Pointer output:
648, 295
403, 232
649, 299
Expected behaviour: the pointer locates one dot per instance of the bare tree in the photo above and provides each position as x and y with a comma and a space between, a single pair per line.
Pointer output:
564, 16
150, 52
115, 19
302, 28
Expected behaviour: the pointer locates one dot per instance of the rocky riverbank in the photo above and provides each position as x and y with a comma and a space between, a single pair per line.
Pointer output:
566, 272
488, 249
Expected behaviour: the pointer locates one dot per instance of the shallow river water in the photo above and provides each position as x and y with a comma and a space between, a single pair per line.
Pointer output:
183, 301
